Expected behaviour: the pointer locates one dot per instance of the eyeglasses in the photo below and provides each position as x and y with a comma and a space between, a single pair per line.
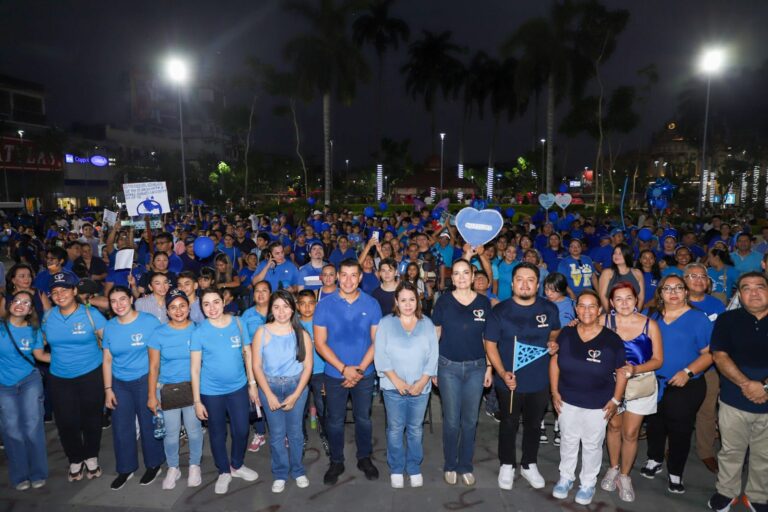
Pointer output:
673, 289
697, 276
587, 306
21, 302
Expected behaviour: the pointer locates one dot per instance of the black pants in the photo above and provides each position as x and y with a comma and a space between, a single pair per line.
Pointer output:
674, 421
77, 408
532, 407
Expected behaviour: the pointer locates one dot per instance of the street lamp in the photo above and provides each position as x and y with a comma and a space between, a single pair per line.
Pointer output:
23, 171
543, 173
442, 145
177, 71
346, 172
711, 62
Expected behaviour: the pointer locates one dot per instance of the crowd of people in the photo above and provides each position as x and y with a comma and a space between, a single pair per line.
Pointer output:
642, 328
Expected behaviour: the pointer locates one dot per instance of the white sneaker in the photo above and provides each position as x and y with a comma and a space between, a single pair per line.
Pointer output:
533, 476
195, 478
302, 482
245, 473
397, 481
278, 486
222, 483
169, 482
417, 480
506, 476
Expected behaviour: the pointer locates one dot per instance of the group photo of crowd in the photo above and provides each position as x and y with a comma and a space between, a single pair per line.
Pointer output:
251, 332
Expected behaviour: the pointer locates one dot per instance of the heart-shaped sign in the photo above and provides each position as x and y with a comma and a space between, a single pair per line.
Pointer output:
546, 200
563, 200
478, 227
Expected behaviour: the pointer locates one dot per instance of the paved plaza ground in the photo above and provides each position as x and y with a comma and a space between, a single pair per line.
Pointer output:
353, 492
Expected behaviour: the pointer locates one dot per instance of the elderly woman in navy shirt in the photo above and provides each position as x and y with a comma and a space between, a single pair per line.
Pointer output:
405, 356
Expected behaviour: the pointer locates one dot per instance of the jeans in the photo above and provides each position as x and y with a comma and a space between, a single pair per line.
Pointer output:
78, 405
405, 413
234, 405
173, 419
336, 402
532, 407
285, 424
461, 388
21, 421
131, 398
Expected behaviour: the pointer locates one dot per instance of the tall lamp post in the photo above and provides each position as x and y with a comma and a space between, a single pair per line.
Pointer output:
23, 172
542, 170
178, 73
442, 145
710, 63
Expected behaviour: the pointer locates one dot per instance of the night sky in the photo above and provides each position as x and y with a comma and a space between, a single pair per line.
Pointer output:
81, 52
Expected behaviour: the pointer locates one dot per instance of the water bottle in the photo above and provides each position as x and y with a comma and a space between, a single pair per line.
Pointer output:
313, 417
159, 422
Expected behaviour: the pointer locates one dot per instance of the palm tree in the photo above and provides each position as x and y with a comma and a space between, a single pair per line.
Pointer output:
326, 61
473, 83
502, 97
433, 67
383, 32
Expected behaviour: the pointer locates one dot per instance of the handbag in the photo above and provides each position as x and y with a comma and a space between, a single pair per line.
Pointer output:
176, 396
641, 385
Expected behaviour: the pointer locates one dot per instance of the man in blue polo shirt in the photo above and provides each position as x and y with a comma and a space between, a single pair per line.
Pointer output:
344, 327
744, 258
279, 272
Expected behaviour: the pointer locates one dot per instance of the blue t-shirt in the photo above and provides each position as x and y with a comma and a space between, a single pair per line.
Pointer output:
578, 273
223, 369
723, 280
337, 256
309, 277
461, 327
282, 276
318, 363
173, 345
503, 274
552, 258
566, 309
246, 275
128, 345
251, 320
15, 368
603, 255
683, 341
348, 327
586, 369
651, 283
369, 283
749, 263
74, 348
709, 305
510, 323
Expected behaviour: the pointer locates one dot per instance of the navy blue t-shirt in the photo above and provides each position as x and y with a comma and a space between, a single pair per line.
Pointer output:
510, 322
586, 369
461, 335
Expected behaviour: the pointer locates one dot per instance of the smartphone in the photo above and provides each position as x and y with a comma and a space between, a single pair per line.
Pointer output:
375, 235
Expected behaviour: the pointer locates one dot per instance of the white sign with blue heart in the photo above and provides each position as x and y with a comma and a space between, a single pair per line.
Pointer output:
478, 227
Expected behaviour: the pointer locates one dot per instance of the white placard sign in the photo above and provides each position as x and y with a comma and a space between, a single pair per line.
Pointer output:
150, 198
110, 217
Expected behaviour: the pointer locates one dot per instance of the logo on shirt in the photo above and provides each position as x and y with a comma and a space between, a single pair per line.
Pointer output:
593, 356
78, 328
542, 319
712, 317
25, 344
136, 340
479, 314
235, 341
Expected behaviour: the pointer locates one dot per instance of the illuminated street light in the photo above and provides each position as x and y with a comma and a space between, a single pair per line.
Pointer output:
711, 62
177, 71
442, 145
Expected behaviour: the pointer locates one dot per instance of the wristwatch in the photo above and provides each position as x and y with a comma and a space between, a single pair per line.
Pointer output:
689, 373
765, 385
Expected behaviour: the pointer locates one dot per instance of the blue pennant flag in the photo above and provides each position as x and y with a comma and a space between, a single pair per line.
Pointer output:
526, 354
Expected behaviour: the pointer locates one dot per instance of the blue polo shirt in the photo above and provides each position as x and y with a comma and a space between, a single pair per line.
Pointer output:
511, 322
309, 277
749, 263
223, 368
128, 345
15, 368
349, 328
251, 320
578, 273
283, 275
173, 345
74, 348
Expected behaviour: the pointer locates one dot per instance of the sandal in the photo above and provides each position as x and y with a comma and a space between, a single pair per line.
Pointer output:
77, 474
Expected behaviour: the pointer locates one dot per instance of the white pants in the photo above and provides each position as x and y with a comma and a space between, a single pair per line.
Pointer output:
585, 427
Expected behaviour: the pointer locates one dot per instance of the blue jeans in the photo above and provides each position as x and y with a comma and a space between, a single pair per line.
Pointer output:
131, 404
336, 411
21, 421
235, 405
285, 424
405, 413
461, 388
194, 429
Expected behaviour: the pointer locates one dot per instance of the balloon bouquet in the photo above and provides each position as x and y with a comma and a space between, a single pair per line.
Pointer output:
658, 195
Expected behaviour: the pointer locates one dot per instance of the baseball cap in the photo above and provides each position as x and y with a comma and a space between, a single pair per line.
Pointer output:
88, 286
175, 294
445, 234
616, 231
190, 240
64, 279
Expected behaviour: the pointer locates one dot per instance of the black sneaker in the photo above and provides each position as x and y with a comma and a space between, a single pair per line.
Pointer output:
675, 488
543, 439
556, 440
332, 475
106, 421
119, 482
366, 466
150, 474
326, 448
651, 469
721, 503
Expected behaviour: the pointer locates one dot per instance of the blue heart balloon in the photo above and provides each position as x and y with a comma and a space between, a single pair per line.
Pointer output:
510, 212
478, 227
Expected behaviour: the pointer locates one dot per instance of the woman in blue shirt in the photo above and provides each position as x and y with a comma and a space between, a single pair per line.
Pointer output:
282, 367
647, 264
169, 363
125, 368
76, 381
222, 384
405, 357
502, 276
21, 394
722, 274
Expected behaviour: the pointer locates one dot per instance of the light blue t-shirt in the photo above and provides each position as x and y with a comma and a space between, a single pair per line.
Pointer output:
318, 363
223, 369
749, 263
723, 280
74, 348
309, 277
14, 368
278, 353
578, 273
173, 345
128, 345
251, 321
503, 273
